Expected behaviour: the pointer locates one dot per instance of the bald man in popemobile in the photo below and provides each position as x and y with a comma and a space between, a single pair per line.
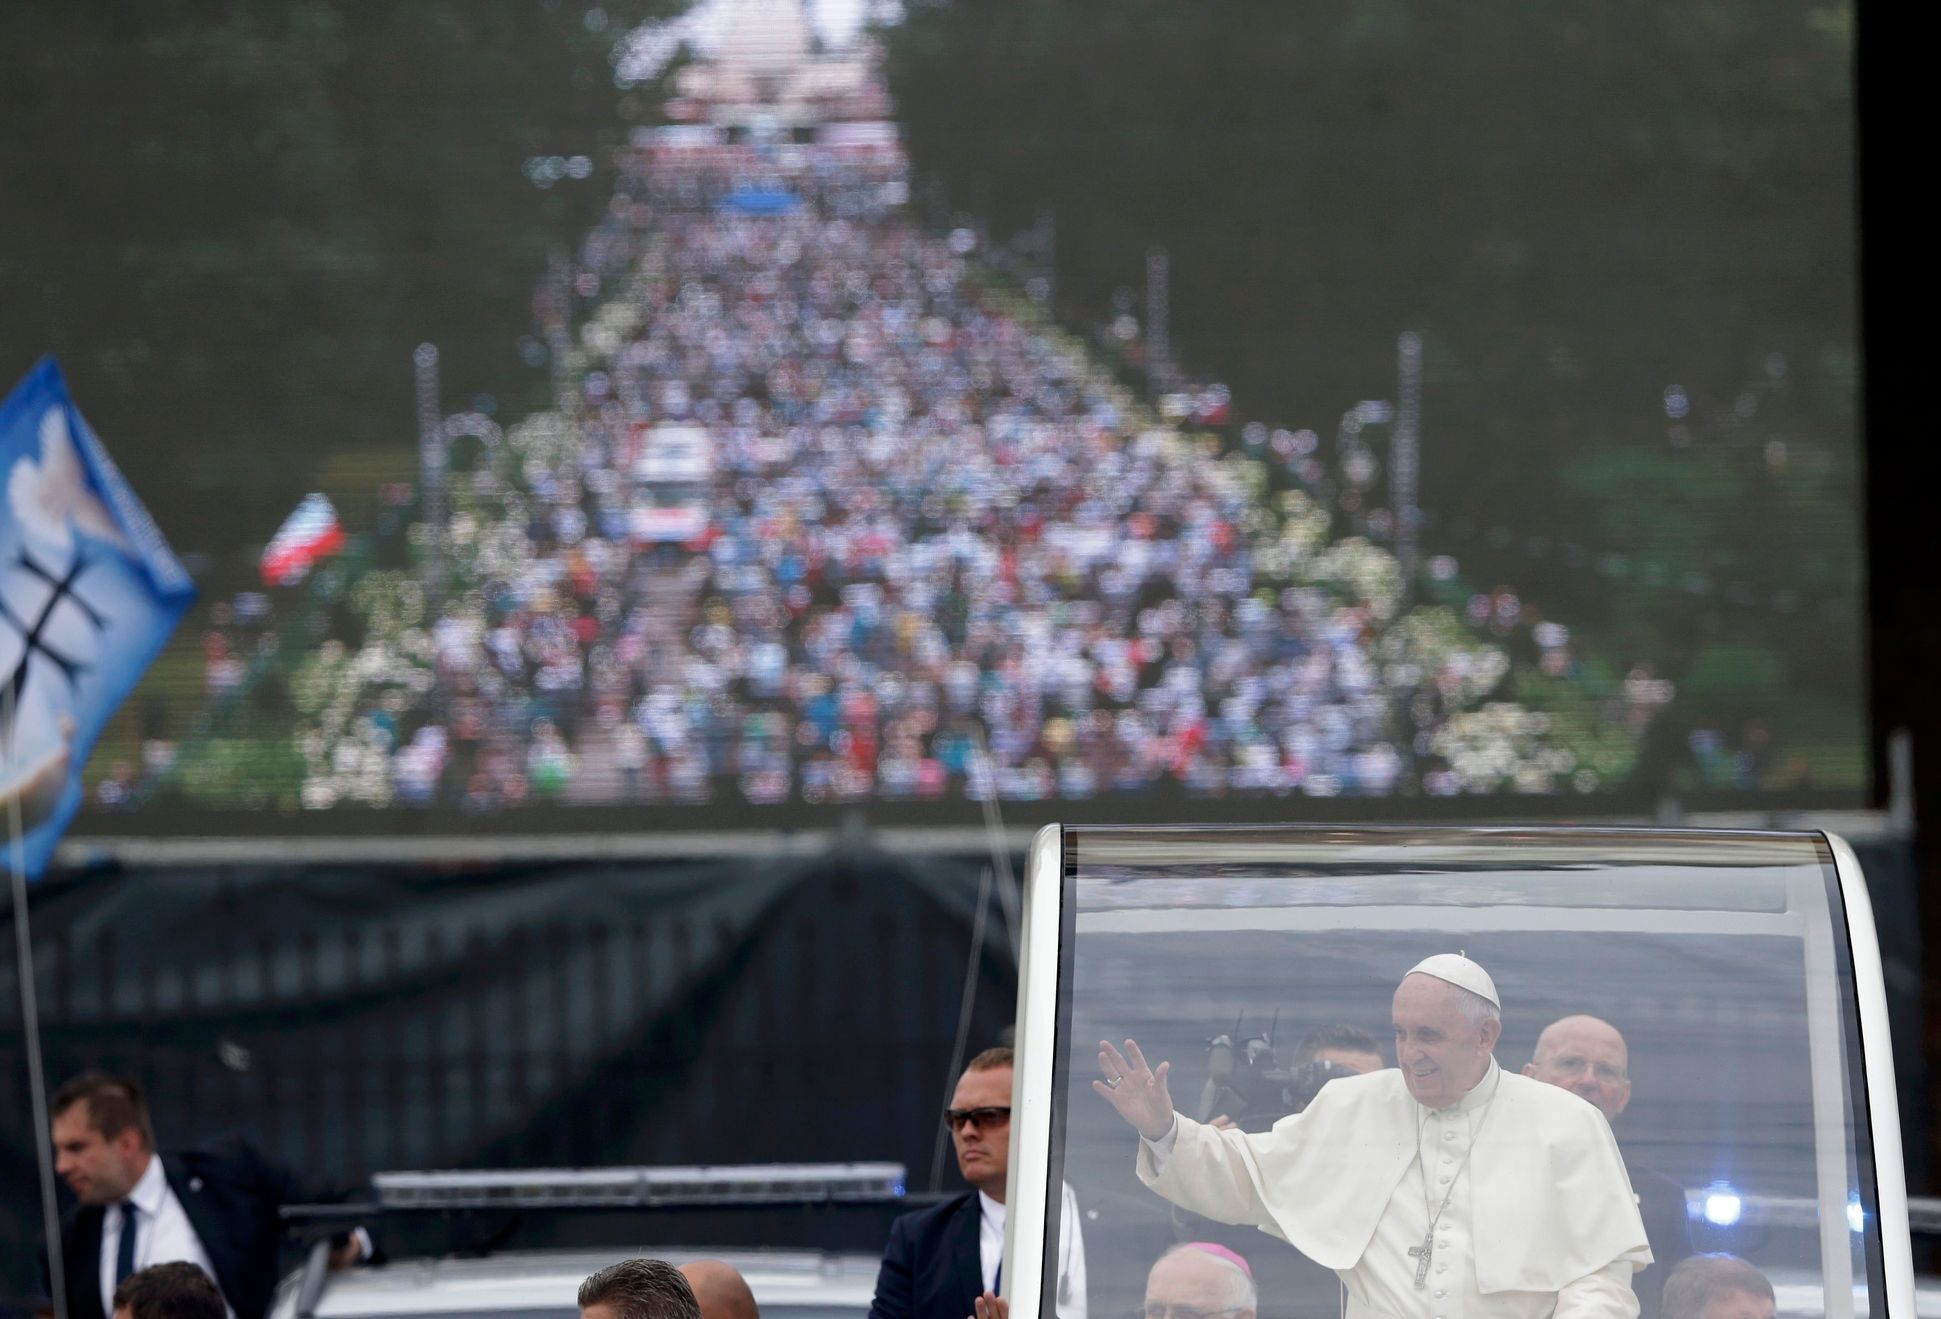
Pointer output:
1588, 1057
1442, 1188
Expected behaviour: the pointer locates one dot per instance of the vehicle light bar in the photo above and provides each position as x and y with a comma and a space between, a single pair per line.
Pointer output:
642, 1187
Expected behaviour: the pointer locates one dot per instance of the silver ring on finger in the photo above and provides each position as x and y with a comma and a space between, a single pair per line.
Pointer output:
1113, 1082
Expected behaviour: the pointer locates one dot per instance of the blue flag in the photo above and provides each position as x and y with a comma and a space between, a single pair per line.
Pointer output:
89, 592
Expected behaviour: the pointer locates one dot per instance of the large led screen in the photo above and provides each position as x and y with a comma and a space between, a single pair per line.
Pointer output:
657, 415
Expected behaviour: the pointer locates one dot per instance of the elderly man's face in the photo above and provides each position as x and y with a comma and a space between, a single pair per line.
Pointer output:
1741, 1305
1191, 1284
1586, 1057
1441, 1052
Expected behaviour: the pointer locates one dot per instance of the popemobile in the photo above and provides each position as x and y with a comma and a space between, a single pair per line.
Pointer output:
1454, 1074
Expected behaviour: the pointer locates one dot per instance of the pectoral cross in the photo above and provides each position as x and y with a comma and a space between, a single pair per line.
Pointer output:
1422, 1253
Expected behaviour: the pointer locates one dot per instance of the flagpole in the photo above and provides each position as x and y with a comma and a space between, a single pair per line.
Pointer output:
30, 1029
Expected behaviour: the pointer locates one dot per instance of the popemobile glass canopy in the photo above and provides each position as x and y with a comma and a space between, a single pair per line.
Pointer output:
1702, 1014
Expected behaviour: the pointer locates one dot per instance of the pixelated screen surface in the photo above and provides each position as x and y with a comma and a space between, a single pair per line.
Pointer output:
720, 412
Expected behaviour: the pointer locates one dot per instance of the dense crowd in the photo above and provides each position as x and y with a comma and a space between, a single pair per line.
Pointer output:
937, 549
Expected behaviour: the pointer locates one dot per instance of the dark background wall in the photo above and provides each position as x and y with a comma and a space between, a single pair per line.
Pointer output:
354, 1019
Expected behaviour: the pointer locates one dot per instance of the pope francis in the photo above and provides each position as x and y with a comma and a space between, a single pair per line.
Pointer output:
1442, 1188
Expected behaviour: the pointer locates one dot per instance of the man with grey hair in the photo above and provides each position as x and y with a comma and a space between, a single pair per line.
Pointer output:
638, 1289
1718, 1287
1192, 1280
1199, 1278
1443, 1186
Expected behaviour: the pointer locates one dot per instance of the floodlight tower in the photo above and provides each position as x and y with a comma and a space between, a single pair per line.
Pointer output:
1404, 460
1159, 366
431, 466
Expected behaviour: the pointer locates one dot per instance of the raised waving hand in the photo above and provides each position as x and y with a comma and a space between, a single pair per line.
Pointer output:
1136, 1090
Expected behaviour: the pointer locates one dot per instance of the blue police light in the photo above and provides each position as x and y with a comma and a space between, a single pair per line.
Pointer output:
1856, 1216
1721, 1205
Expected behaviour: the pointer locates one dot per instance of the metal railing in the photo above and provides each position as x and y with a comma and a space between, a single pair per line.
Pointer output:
700, 1186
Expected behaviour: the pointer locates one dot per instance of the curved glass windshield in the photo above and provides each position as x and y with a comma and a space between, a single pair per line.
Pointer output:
1630, 1049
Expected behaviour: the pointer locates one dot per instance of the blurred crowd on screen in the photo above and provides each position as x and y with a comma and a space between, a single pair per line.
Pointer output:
909, 543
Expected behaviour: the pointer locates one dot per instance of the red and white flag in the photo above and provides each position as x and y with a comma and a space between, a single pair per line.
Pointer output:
308, 535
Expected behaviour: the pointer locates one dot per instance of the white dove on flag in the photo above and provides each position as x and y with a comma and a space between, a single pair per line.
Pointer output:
89, 592
52, 499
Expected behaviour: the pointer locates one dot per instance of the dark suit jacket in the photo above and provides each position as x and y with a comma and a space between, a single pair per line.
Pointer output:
931, 1268
231, 1194
1661, 1202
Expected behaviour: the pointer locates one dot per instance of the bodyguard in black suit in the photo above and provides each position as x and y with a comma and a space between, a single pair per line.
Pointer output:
941, 1261
220, 1203
930, 1266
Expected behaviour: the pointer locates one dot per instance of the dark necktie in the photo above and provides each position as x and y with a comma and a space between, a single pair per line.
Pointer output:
125, 1255
997, 1280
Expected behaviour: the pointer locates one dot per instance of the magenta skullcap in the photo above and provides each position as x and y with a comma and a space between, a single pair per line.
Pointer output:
1219, 1251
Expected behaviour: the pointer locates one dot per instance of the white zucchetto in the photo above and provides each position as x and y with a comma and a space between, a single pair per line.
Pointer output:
1460, 972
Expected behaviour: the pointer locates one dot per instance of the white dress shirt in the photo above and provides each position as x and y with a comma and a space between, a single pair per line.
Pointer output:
990, 1238
163, 1233
1071, 1251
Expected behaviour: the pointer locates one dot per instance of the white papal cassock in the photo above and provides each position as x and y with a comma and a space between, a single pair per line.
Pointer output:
1541, 1221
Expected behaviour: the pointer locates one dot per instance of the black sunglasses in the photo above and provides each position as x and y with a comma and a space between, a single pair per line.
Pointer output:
980, 1118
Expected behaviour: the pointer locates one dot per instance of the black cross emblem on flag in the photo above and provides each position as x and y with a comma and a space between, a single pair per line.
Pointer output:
33, 642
